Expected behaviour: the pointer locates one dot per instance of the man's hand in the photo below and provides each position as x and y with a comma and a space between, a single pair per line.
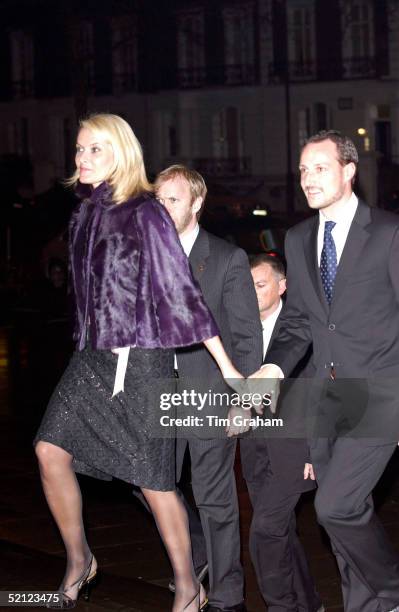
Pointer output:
308, 472
239, 421
266, 382
268, 371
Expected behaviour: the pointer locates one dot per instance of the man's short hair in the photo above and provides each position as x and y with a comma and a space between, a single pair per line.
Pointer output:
273, 259
195, 180
347, 152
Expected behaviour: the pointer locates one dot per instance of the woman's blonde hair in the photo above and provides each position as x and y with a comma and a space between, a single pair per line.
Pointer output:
127, 176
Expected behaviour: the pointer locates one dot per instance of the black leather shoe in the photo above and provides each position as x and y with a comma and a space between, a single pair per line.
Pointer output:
237, 608
200, 572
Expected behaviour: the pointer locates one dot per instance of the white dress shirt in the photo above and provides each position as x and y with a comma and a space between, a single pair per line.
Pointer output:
340, 231
268, 327
187, 241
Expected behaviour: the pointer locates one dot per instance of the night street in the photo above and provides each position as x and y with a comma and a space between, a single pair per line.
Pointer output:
134, 568
135, 135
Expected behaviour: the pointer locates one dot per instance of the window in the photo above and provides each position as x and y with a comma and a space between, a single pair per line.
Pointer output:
358, 39
165, 141
301, 39
361, 30
303, 126
124, 54
84, 51
191, 51
225, 133
320, 117
312, 120
69, 149
18, 137
228, 144
22, 74
383, 139
239, 44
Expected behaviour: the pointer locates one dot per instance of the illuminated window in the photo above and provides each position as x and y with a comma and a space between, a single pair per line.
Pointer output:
238, 44
358, 38
301, 39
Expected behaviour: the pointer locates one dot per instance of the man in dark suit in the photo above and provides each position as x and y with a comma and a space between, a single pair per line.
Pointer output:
274, 471
223, 273
343, 300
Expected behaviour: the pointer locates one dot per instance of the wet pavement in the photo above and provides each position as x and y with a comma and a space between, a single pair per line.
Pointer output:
134, 567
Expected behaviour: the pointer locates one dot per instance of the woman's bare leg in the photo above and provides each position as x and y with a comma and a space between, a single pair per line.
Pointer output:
63, 496
171, 518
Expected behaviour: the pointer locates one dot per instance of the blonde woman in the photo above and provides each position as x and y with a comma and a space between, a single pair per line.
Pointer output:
135, 302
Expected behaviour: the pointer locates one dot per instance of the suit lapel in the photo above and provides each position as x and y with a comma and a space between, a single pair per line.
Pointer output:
310, 248
275, 329
355, 243
199, 254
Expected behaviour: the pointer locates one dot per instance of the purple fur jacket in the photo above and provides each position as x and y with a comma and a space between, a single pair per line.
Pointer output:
131, 279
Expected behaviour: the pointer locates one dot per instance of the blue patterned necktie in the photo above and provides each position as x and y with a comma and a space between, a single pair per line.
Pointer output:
328, 261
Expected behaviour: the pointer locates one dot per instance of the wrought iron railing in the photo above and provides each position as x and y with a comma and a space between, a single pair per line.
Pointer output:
208, 76
22, 89
359, 67
347, 68
223, 166
124, 82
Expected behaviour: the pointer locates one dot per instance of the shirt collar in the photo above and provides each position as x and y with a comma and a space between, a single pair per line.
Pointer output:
187, 241
271, 319
346, 214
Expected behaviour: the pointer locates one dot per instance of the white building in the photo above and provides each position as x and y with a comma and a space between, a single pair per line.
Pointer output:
232, 67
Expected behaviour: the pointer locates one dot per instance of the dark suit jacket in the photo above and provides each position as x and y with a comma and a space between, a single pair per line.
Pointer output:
284, 453
224, 276
359, 332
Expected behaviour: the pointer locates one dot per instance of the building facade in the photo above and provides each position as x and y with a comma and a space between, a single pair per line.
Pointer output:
232, 87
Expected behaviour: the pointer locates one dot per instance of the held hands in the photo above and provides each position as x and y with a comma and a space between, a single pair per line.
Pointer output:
234, 379
266, 381
263, 383
238, 421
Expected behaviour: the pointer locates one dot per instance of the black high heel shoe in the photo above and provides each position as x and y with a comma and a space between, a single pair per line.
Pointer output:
196, 596
202, 606
84, 583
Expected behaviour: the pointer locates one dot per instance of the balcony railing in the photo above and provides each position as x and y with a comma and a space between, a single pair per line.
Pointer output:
223, 166
347, 68
22, 89
239, 74
302, 71
189, 78
124, 82
298, 71
359, 68
208, 76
